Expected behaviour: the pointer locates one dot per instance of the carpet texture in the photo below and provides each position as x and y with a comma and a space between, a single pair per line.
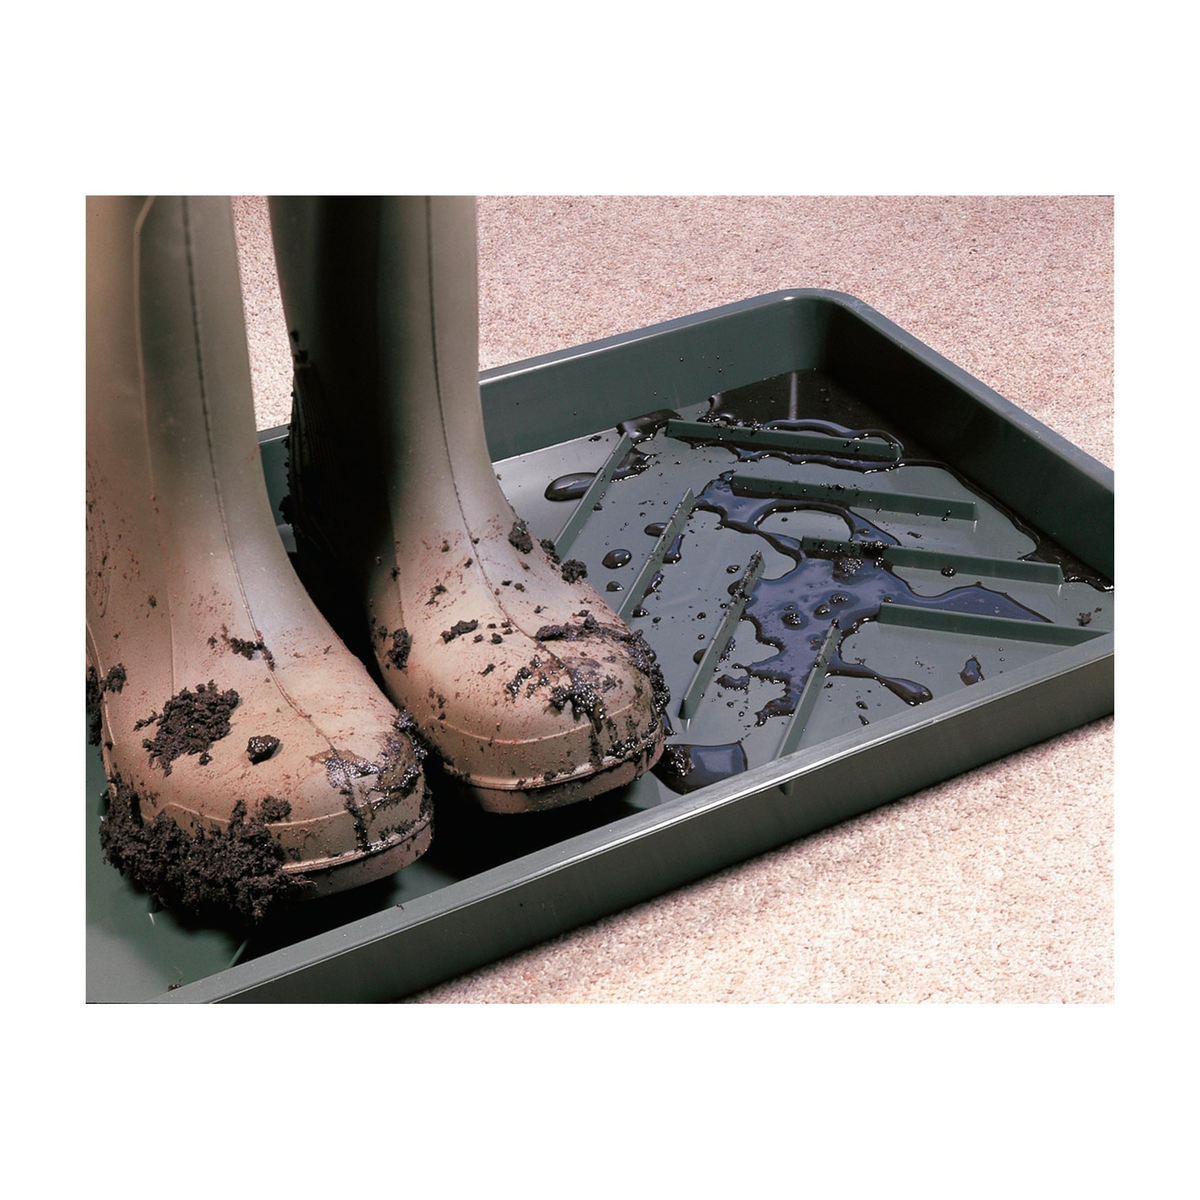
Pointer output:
995, 886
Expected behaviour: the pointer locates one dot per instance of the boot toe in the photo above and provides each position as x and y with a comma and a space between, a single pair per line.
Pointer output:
275, 799
543, 720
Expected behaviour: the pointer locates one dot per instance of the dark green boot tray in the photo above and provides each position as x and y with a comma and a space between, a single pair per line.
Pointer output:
837, 631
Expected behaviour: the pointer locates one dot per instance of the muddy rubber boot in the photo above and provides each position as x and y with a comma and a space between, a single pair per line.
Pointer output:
250, 756
530, 688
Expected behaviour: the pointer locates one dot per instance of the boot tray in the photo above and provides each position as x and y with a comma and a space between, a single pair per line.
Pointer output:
837, 631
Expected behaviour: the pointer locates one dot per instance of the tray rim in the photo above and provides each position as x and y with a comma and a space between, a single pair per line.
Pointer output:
259, 980
852, 305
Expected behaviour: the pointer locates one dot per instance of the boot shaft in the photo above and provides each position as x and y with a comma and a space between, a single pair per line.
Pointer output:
381, 297
177, 507
220, 690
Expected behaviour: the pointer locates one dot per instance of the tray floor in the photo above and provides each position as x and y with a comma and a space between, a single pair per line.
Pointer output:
821, 563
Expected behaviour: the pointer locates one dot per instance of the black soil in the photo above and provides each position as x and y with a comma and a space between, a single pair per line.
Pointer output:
520, 537
114, 681
93, 706
215, 874
243, 646
261, 747
568, 632
573, 570
248, 649
190, 723
397, 656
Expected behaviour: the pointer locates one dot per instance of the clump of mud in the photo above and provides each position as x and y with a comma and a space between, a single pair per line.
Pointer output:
567, 632
114, 681
458, 629
401, 648
248, 649
514, 685
214, 874
260, 747
189, 723
520, 537
572, 570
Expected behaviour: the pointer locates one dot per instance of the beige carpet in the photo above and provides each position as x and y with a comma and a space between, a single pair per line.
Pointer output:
992, 887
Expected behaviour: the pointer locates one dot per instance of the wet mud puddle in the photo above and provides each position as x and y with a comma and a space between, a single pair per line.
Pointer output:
802, 429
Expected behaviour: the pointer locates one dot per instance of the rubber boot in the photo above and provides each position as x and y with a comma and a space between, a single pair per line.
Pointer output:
533, 693
250, 756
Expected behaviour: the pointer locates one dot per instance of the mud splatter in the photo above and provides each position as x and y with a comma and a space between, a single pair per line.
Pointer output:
397, 656
587, 627
513, 687
583, 697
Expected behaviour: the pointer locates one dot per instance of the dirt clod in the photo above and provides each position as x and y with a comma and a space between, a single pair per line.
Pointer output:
261, 747
520, 537
190, 722
247, 648
556, 633
113, 681
401, 647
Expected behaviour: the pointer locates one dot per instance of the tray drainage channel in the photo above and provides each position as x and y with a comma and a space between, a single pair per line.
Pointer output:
789, 679
645, 580
709, 658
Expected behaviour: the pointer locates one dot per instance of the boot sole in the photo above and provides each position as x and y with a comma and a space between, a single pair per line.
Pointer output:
347, 871
559, 794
